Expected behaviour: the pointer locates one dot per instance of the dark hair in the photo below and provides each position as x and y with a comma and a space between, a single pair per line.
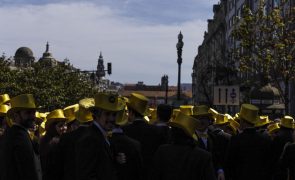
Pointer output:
96, 112
164, 112
178, 136
136, 114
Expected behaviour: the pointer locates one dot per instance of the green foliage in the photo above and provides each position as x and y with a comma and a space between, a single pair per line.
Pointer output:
267, 40
53, 87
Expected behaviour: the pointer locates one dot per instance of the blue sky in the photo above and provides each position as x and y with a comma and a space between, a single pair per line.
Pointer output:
137, 36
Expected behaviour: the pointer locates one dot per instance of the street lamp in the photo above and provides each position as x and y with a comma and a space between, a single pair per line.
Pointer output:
179, 47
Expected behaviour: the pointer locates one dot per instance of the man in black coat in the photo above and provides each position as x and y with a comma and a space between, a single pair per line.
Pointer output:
141, 131
94, 157
287, 160
285, 135
249, 155
182, 159
164, 112
18, 159
66, 145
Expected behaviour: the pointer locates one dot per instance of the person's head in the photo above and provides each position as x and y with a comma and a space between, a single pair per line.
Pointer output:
106, 119
164, 112
204, 116
22, 111
69, 112
56, 122
25, 118
248, 116
137, 106
105, 109
4, 99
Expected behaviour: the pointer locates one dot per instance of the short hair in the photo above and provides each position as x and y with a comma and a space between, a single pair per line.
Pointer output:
164, 112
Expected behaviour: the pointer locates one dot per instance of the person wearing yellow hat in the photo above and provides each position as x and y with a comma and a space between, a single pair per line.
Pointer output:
262, 124
182, 158
3, 111
66, 146
273, 129
249, 151
284, 136
55, 126
94, 157
70, 114
18, 158
140, 130
4, 99
127, 150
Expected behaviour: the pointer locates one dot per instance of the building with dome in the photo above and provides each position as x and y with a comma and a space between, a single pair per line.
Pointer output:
23, 57
47, 59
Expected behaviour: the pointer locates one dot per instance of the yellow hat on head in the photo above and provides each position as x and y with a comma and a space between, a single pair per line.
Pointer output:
139, 103
186, 123
22, 102
3, 109
221, 119
273, 128
4, 98
108, 102
249, 113
40, 116
174, 113
84, 115
201, 110
122, 117
287, 122
70, 111
263, 120
153, 116
186, 109
213, 112
54, 116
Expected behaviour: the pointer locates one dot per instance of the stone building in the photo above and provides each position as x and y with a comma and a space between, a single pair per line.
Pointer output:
23, 57
210, 64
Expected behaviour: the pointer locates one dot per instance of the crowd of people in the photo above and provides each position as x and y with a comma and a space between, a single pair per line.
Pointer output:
110, 137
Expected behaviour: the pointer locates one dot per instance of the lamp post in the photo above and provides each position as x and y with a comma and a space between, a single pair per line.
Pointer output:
165, 78
179, 47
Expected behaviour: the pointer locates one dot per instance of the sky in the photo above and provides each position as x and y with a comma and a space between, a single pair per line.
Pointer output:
137, 36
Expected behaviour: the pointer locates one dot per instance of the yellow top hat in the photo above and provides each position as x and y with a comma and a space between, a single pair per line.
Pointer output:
249, 113
40, 116
263, 120
3, 109
21, 102
287, 122
70, 111
187, 123
153, 116
221, 119
139, 103
84, 115
186, 109
213, 112
54, 116
108, 102
174, 113
42, 130
122, 117
273, 128
201, 110
4, 98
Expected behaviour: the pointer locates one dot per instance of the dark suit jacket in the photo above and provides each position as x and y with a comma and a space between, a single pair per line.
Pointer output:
17, 155
94, 159
66, 153
132, 169
249, 156
49, 158
148, 137
178, 161
287, 160
284, 136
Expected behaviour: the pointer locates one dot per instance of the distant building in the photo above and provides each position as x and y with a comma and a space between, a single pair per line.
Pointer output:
157, 93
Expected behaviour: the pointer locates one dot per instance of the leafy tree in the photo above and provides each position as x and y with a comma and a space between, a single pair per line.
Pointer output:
267, 46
